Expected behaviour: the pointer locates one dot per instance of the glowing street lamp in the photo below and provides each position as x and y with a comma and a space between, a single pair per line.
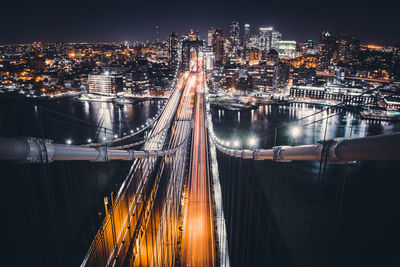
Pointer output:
252, 141
295, 132
68, 141
115, 136
89, 140
236, 143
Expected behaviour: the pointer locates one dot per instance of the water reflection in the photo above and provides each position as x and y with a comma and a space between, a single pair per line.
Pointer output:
81, 120
330, 123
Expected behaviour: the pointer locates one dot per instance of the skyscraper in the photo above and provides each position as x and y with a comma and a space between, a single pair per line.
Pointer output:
235, 36
326, 48
276, 37
246, 35
246, 42
218, 46
265, 38
210, 36
172, 48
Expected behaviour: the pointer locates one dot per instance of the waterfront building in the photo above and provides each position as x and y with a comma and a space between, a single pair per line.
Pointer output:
105, 83
303, 76
337, 94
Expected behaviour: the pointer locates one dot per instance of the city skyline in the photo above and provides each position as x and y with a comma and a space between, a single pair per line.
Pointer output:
89, 22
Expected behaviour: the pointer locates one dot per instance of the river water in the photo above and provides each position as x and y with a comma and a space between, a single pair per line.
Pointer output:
301, 213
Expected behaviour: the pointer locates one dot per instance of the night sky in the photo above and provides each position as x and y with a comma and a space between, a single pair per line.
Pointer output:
27, 21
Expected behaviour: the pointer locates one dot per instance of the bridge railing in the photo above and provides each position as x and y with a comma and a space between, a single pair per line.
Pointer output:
377, 148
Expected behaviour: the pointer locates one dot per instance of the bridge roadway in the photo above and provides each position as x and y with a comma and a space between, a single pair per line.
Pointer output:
117, 240
198, 233
158, 247
142, 227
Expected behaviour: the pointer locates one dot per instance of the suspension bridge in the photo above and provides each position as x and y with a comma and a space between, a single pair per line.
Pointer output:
169, 208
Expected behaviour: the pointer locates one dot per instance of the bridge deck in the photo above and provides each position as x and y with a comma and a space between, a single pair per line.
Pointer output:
198, 241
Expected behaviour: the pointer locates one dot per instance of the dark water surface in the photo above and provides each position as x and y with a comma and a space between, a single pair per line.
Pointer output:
298, 214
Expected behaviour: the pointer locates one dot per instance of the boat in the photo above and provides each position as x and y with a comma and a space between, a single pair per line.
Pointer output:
96, 98
122, 101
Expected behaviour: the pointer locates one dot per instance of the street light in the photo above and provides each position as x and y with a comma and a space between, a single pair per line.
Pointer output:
68, 141
236, 143
89, 140
295, 131
252, 141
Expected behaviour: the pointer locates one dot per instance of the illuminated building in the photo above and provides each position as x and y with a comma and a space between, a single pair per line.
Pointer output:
265, 76
246, 35
276, 38
265, 38
326, 49
306, 48
246, 42
286, 49
105, 83
303, 76
235, 36
210, 35
219, 47
339, 76
209, 56
340, 94
172, 49
347, 49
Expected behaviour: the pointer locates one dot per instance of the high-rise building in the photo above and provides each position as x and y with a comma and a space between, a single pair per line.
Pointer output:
265, 76
246, 42
276, 37
219, 47
265, 38
235, 36
348, 48
105, 83
210, 36
326, 50
172, 49
246, 36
